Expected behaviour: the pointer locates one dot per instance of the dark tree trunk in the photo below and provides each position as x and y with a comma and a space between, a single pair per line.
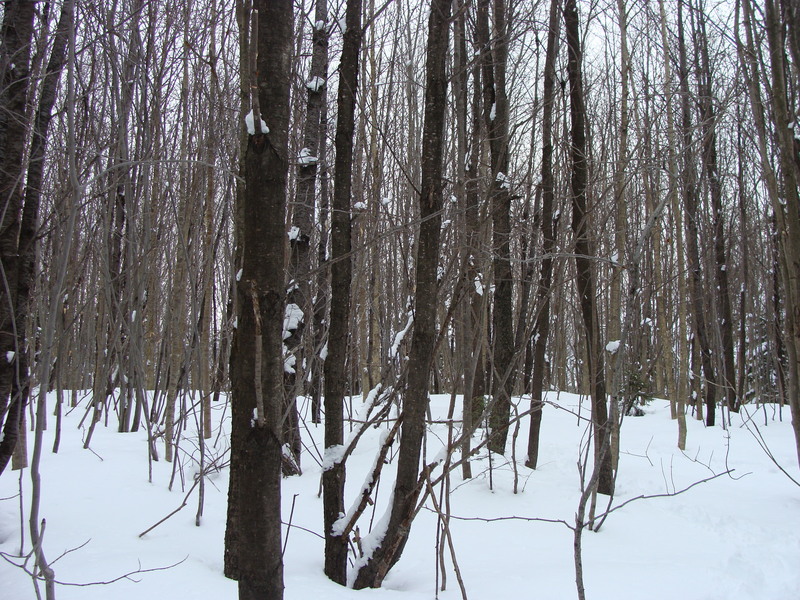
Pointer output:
710, 163
585, 280
303, 217
493, 58
465, 325
475, 375
692, 251
253, 541
15, 52
323, 281
341, 281
542, 323
299, 284
408, 484
789, 228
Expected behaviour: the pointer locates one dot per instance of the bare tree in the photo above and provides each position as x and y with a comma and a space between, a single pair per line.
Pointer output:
542, 325
585, 280
341, 281
788, 211
689, 183
494, 58
409, 483
300, 263
708, 120
253, 542
15, 37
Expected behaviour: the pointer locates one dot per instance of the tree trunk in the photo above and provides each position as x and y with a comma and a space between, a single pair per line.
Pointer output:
253, 544
789, 221
710, 163
408, 484
493, 58
585, 280
542, 325
341, 282
689, 180
620, 186
679, 393
300, 294
15, 47
465, 325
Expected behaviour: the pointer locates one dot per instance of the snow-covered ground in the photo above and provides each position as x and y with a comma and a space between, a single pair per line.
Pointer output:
735, 537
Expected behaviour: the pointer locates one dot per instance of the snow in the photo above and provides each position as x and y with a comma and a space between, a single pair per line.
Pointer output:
289, 361
294, 233
732, 537
502, 179
319, 25
493, 112
372, 396
371, 542
305, 158
333, 456
249, 121
315, 84
478, 286
398, 338
10, 355
612, 346
359, 206
239, 275
291, 319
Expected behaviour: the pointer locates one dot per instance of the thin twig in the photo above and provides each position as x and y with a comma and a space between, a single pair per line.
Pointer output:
174, 512
9, 558
289, 525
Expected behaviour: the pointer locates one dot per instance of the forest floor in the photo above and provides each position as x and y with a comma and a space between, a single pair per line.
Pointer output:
733, 537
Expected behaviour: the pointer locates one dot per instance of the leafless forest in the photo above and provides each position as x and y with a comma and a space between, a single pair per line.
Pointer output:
485, 198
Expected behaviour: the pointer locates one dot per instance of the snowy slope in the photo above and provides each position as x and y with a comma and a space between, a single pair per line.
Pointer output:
734, 537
